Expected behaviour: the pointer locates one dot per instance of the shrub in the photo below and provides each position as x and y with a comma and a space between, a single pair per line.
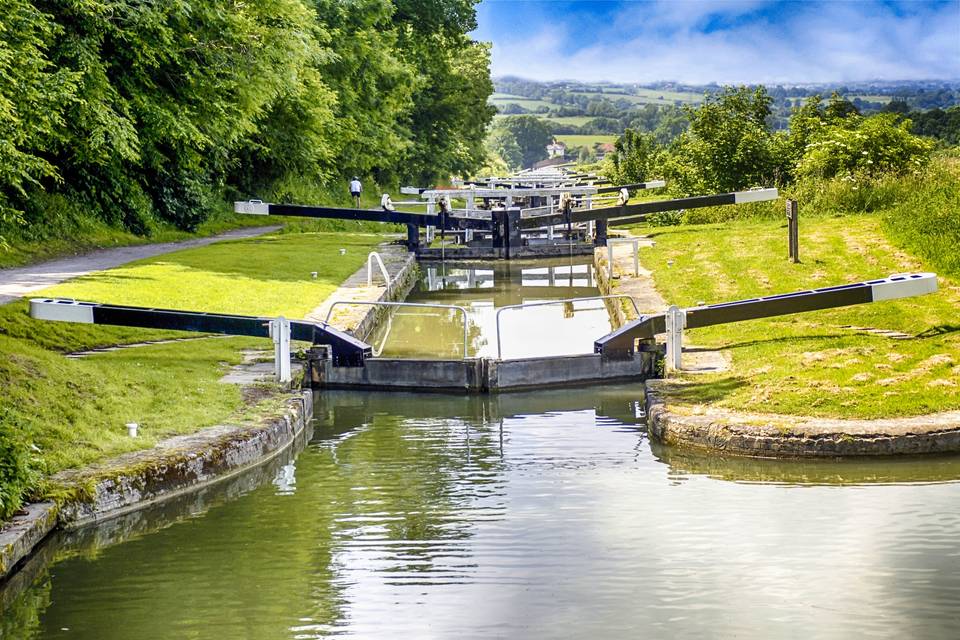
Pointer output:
926, 221
17, 473
871, 146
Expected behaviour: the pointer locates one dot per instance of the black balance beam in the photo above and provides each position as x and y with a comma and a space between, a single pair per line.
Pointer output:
633, 213
441, 221
346, 350
623, 340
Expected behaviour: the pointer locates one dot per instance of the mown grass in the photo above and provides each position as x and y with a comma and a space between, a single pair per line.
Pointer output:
810, 364
70, 231
577, 140
74, 411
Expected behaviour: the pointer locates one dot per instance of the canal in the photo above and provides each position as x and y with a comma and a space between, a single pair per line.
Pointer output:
482, 289
543, 514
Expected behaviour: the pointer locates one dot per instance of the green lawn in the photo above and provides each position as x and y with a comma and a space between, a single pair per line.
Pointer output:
500, 99
585, 140
576, 121
809, 364
647, 96
74, 410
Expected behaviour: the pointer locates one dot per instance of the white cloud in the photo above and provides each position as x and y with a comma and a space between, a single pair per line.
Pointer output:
807, 42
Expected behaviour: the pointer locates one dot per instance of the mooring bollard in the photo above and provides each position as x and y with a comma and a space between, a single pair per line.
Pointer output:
793, 230
676, 320
280, 332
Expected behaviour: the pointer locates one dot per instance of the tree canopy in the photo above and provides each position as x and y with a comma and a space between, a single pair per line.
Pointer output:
146, 112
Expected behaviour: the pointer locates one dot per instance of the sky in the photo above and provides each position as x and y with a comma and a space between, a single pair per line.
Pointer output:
723, 41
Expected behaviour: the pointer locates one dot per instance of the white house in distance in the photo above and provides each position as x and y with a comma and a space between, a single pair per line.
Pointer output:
556, 150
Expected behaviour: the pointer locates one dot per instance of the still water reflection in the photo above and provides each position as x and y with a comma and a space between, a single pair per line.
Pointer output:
534, 515
483, 288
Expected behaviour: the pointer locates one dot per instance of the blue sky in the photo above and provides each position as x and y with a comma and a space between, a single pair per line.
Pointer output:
723, 41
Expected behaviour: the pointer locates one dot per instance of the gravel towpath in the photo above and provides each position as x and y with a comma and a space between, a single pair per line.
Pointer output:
21, 281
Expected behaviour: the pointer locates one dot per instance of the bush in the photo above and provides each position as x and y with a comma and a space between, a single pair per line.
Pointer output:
871, 146
17, 473
926, 221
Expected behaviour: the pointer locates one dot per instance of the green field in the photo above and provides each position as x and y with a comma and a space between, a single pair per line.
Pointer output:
584, 140
812, 363
648, 96
870, 98
74, 410
576, 121
501, 99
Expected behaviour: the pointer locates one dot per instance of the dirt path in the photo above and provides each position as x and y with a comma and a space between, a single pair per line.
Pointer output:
21, 281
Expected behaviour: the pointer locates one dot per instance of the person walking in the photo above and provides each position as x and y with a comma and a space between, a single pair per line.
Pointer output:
355, 189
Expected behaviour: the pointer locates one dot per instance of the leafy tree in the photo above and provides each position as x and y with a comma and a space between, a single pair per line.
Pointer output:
450, 113
729, 145
878, 144
638, 157
33, 96
531, 134
503, 144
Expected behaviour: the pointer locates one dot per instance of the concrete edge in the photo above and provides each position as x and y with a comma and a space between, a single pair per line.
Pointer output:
783, 436
173, 467
24, 532
179, 465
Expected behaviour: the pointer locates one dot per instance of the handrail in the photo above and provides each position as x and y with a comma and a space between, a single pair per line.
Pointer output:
466, 320
383, 269
550, 302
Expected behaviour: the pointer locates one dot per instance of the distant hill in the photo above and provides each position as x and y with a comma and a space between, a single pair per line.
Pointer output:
602, 109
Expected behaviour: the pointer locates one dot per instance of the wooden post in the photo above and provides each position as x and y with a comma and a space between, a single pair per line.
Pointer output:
793, 230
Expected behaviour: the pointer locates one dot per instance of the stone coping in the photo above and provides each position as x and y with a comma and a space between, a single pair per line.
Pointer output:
774, 435
138, 479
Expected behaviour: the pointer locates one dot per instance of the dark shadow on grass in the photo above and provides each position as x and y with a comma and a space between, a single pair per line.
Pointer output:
939, 330
752, 343
701, 392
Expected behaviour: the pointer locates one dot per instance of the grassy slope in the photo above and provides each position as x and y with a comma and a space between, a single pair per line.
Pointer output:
584, 140
808, 363
74, 410
77, 236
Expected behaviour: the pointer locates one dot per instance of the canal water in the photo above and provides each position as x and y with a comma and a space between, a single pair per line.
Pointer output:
482, 290
524, 515
527, 515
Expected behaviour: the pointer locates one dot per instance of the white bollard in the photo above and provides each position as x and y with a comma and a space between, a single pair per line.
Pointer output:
676, 320
280, 332
132, 429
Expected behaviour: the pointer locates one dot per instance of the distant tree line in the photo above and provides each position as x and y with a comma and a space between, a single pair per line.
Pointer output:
611, 112
730, 145
155, 111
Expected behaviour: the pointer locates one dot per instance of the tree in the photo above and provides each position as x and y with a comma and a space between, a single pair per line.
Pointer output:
878, 144
450, 112
531, 134
637, 157
729, 145
503, 144
34, 95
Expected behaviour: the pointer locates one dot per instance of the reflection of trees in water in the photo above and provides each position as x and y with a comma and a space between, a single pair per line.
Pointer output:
20, 617
833, 471
406, 490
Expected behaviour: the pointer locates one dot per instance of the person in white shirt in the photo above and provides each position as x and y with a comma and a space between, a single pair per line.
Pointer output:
355, 189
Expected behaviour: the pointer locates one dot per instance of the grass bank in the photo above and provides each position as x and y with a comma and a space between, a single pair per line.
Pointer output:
60, 413
821, 363
67, 230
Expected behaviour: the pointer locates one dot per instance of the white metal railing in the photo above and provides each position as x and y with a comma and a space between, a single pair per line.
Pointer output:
551, 302
636, 254
383, 269
422, 305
